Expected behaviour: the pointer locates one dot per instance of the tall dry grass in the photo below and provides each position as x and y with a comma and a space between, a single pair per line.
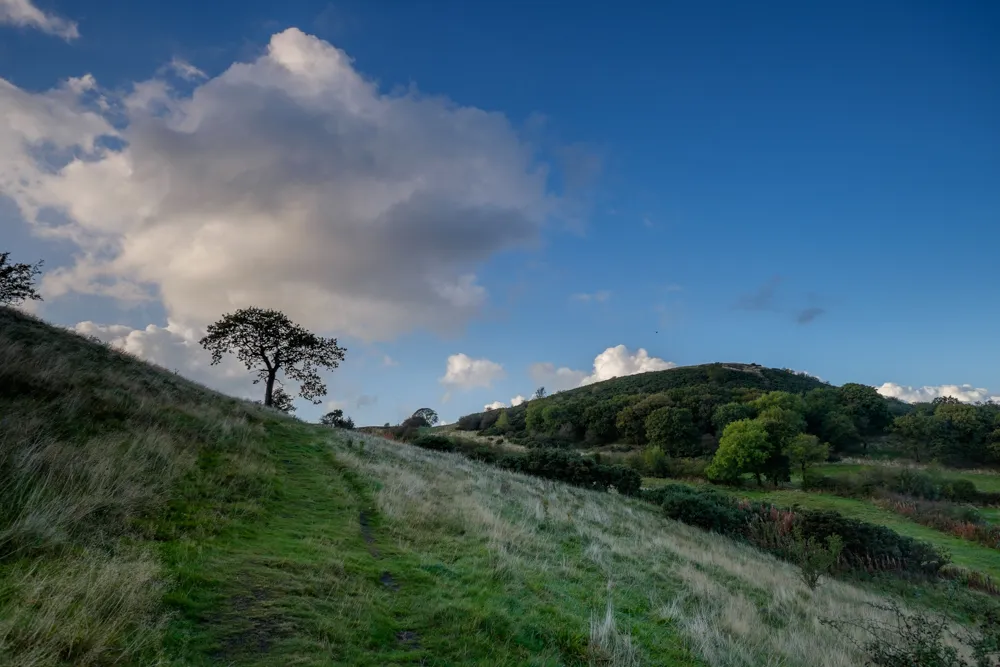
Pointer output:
733, 604
94, 446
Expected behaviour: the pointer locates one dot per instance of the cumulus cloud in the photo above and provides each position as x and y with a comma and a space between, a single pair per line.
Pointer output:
613, 362
600, 296
24, 14
175, 347
289, 182
514, 402
965, 393
464, 372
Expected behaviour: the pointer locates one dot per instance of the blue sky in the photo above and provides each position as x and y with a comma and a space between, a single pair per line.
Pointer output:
803, 185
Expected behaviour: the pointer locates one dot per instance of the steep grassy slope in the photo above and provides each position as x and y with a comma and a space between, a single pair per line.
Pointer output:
98, 454
147, 521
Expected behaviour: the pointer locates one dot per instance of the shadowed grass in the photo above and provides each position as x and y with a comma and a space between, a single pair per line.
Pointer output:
95, 447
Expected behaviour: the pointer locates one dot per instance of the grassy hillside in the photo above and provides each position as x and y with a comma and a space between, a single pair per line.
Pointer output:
145, 520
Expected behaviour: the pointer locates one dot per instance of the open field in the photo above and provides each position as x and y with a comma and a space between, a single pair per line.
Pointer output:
984, 480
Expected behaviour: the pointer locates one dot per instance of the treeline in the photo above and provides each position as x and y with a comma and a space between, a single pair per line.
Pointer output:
951, 432
771, 431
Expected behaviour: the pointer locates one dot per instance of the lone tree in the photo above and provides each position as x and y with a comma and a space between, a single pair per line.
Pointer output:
17, 281
428, 415
336, 419
266, 341
539, 393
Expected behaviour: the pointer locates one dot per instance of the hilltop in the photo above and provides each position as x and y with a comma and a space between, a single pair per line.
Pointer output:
145, 519
614, 411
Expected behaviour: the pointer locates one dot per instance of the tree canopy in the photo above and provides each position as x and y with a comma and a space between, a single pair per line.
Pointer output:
336, 419
744, 447
17, 281
428, 415
268, 342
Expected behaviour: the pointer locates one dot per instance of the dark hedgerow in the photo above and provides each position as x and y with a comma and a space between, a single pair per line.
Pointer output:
554, 464
866, 546
570, 467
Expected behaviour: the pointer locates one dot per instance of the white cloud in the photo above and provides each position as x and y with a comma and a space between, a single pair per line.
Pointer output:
185, 70
600, 296
613, 362
175, 347
24, 14
289, 182
496, 405
464, 372
964, 392
389, 361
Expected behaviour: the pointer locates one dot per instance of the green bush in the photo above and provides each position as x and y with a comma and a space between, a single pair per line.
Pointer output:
815, 559
697, 507
869, 546
570, 467
437, 443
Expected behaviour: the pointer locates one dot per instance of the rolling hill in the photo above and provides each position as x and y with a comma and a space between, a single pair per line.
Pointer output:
146, 520
615, 410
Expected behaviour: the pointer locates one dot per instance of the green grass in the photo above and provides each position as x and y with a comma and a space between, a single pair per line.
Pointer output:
302, 586
145, 520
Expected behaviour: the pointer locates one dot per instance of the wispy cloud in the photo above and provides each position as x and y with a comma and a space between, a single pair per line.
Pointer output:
24, 14
600, 296
185, 70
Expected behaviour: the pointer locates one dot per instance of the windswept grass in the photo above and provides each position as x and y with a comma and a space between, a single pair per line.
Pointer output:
95, 446
729, 604
145, 520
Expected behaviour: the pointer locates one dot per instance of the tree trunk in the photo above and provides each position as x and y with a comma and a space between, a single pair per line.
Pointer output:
269, 391
759, 481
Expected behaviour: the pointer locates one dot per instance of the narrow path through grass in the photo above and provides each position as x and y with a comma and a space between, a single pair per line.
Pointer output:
320, 580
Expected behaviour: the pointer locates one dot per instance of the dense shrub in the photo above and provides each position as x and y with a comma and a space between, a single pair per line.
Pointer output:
865, 546
470, 422
469, 448
438, 443
869, 546
696, 507
570, 467
565, 466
